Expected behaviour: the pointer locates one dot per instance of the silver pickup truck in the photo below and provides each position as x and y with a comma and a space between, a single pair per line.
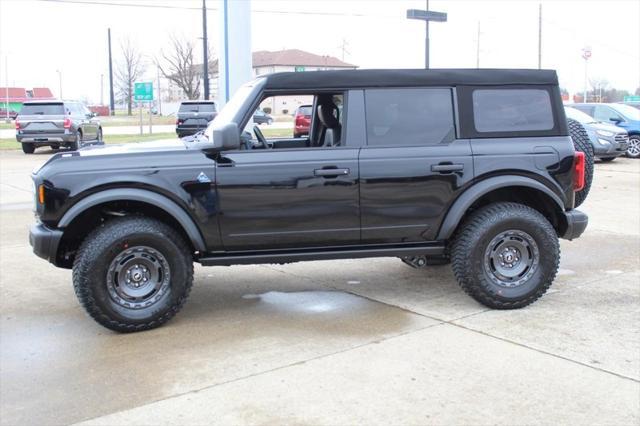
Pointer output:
56, 123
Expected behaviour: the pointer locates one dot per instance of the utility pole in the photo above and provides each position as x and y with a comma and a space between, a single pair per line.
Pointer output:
426, 40
112, 103
478, 48
6, 85
586, 54
59, 83
205, 51
540, 36
101, 89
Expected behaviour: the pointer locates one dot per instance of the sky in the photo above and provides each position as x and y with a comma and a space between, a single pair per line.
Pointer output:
43, 40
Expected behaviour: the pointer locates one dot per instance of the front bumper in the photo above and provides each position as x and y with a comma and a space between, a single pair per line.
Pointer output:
576, 224
609, 148
45, 241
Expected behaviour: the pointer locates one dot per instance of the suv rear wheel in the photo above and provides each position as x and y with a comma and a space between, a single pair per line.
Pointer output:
133, 274
28, 148
505, 255
75, 145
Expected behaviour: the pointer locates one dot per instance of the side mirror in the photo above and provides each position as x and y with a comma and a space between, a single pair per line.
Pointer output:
226, 137
616, 120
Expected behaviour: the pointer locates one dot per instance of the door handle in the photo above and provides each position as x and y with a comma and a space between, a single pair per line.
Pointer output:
331, 172
447, 168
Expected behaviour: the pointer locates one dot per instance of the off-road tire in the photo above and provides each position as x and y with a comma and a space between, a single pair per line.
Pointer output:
28, 148
471, 244
96, 256
581, 143
607, 159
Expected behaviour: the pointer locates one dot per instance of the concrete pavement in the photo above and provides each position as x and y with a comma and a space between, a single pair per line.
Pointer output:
336, 342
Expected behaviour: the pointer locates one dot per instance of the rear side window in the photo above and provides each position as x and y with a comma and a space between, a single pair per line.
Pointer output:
512, 110
194, 107
304, 110
404, 117
42, 109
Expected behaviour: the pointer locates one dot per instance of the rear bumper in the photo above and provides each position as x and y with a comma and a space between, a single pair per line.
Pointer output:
45, 138
576, 224
45, 241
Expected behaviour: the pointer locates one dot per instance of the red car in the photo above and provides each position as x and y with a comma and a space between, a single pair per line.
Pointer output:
302, 121
3, 114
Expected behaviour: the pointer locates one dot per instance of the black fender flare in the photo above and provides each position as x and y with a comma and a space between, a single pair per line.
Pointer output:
142, 195
468, 197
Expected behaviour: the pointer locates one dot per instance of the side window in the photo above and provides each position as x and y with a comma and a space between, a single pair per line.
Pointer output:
397, 117
604, 113
512, 110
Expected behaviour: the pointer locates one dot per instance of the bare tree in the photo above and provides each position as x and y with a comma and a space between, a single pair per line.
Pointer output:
129, 69
178, 66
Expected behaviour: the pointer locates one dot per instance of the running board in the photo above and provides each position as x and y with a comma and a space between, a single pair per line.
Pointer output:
280, 256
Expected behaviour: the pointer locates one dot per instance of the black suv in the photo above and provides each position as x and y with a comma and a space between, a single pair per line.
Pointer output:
474, 167
194, 116
56, 123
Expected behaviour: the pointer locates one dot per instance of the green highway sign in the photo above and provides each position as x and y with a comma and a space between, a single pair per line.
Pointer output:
143, 91
632, 98
299, 69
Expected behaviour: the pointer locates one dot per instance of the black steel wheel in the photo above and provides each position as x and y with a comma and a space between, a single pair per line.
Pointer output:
505, 255
133, 273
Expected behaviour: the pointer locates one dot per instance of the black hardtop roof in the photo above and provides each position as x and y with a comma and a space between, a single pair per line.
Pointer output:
408, 78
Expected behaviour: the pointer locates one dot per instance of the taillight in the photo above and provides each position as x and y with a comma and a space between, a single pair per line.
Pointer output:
178, 121
300, 120
17, 124
578, 171
67, 123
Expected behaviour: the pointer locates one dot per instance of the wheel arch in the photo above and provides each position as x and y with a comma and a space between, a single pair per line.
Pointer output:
82, 217
519, 189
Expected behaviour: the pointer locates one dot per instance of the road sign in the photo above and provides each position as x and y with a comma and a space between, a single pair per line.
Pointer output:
427, 15
300, 69
631, 98
143, 91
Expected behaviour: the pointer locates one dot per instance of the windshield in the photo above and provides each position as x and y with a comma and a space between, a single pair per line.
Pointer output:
231, 109
628, 111
579, 116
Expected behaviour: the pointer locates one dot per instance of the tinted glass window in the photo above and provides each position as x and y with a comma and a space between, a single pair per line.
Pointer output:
512, 110
193, 107
42, 109
409, 116
603, 113
304, 110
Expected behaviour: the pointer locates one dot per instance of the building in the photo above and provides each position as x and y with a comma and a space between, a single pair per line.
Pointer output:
267, 62
16, 96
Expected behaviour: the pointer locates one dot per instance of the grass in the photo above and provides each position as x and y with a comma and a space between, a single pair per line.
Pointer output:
12, 144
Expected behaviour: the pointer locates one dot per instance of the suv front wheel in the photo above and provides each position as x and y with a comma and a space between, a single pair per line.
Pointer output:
133, 274
505, 255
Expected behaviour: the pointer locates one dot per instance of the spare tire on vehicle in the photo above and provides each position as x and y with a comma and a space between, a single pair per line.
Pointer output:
581, 143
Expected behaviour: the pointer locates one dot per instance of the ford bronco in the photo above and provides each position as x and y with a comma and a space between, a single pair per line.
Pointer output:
471, 167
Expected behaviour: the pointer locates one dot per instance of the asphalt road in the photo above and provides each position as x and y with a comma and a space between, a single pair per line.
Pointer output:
332, 342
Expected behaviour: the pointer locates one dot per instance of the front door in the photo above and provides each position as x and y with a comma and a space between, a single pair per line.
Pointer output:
288, 198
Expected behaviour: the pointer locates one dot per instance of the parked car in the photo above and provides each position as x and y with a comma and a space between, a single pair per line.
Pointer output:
634, 104
194, 116
302, 121
56, 123
608, 141
261, 117
620, 115
3, 114
472, 166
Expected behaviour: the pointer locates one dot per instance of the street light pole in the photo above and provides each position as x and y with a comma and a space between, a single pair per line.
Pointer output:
427, 16
205, 51
6, 85
586, 54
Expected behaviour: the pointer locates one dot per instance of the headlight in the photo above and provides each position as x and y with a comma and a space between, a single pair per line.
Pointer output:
603, 142
605, 133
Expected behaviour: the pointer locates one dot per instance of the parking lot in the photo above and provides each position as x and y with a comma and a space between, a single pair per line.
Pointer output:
367, 341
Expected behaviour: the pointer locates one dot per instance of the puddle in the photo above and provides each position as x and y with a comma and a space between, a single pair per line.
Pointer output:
310, 301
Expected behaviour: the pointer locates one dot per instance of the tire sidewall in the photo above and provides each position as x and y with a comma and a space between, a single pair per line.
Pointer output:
637, 141
547, 257
96, 283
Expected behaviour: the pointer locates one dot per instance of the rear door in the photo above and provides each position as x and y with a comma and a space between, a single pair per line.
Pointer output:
413, 165
45, 118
